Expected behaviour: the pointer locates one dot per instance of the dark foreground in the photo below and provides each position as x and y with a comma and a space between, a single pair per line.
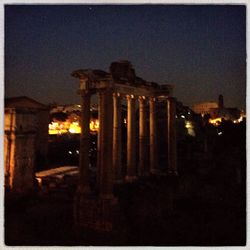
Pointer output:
48, 219
208, 209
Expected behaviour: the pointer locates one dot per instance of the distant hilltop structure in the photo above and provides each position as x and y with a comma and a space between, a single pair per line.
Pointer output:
218, 111
204, 108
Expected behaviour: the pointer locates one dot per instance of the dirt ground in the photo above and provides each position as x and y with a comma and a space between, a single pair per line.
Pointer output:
47, 219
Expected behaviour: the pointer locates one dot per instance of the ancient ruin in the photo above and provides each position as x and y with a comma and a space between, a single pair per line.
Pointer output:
25, 142
97, 210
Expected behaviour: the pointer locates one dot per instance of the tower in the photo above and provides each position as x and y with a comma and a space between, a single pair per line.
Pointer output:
221, 102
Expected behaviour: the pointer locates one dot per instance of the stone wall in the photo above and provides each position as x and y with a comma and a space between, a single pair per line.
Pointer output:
19, 147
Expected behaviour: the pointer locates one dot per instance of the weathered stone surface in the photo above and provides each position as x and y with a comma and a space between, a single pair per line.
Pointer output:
90, 74
122, 71
19, 143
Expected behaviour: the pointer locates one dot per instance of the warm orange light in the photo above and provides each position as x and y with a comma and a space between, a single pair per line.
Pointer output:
94, 125
74, 128
215, 122
238, 120
58, 128
190, 128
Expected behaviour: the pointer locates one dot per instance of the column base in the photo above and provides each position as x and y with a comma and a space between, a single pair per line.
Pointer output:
131, 178
96, 213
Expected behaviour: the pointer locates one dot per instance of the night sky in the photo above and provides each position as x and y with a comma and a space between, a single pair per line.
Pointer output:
201, 50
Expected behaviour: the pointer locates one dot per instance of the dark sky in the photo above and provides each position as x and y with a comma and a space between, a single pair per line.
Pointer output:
201, 50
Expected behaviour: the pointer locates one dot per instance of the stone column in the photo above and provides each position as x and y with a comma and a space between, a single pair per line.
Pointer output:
142, 137
84, 142
131, 139
152, 131
117, 139
106, 135
172, 154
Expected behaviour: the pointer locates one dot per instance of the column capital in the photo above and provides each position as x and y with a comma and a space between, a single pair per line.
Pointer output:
142, 98
130, 97
117, 95
152, 98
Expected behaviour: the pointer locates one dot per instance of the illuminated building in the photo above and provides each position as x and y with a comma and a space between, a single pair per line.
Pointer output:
218, 112
204, 107
25, 141
71, 123
216, 121
60, 127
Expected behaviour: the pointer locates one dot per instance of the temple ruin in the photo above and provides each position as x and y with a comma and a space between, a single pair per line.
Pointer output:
96, 210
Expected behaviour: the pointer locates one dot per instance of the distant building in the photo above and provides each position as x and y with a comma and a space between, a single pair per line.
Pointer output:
218, 111
25, 141
221, 102
204, 107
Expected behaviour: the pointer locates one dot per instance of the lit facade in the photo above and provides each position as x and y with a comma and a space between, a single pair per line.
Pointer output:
25, 141
20, 127
72, 127
205, 107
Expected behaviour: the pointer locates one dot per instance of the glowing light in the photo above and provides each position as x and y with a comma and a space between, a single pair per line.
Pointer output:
188, 124
215, 122
94, 125
70, 152
219, 133
238, 120
183, 116
58, 128
74, 128
190, 128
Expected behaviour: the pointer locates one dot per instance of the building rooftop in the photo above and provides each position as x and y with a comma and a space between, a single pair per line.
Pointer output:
23, 102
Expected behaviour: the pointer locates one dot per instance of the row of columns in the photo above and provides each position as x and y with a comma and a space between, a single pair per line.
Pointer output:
109, 154
131, 137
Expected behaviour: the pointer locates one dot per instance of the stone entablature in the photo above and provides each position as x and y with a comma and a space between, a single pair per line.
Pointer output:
93, 81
